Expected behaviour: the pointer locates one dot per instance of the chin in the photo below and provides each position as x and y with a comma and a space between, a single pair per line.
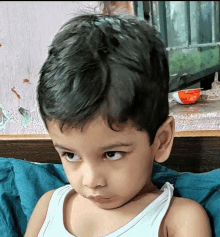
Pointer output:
110, 205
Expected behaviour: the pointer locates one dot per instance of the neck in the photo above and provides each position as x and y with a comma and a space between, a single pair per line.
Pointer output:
145, 190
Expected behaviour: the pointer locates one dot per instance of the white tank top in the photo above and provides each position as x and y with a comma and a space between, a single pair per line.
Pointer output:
146, 223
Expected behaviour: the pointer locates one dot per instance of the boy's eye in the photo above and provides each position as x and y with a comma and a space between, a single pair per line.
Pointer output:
114, 155
110, 155
71, 156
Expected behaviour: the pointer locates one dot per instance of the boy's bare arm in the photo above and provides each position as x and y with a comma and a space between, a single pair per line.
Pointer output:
188, 218
38, 215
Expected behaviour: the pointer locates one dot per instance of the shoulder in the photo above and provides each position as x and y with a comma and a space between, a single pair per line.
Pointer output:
186, 217
38, 215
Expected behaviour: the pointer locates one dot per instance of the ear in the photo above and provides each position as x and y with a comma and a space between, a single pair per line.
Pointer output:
163, 141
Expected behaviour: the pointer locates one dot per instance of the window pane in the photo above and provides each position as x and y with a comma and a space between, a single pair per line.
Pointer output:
155, 15
205, 24
176, 23
201, 22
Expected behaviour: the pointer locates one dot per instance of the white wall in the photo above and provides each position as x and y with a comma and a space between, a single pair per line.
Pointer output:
26, 30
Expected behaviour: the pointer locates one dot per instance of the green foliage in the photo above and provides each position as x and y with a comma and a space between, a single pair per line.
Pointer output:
192, 60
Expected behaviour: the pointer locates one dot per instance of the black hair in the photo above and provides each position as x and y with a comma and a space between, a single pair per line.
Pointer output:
114, 66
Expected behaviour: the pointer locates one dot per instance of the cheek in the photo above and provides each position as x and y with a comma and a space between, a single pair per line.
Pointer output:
142, 169
75, 181
72, 174
133, 174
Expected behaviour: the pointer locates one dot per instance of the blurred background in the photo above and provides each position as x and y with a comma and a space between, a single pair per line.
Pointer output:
189, 29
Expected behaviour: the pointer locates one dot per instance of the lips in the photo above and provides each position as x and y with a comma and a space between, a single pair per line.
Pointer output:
99, 199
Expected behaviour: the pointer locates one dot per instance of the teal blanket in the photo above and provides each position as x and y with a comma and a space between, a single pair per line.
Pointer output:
22, 183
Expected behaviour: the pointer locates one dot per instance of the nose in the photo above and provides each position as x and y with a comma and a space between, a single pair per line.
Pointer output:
93, 176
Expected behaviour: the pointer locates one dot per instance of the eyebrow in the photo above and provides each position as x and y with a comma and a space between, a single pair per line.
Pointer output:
111, 146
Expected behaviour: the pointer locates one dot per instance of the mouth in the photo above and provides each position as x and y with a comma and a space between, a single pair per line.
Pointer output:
99, 199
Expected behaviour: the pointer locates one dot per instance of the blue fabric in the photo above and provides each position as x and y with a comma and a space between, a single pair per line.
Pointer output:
22, 183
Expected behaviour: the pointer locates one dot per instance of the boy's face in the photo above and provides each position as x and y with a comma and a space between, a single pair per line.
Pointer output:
100, 161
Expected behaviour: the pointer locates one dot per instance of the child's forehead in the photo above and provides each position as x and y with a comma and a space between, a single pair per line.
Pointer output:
95, 136
98, 124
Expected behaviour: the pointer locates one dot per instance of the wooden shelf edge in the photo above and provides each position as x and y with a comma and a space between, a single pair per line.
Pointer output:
25, 137
197, 133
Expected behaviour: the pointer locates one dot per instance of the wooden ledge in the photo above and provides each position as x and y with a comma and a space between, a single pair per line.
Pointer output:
25, 137
196, 133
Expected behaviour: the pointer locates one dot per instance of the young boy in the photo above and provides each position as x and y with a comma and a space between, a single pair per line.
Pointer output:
103, 96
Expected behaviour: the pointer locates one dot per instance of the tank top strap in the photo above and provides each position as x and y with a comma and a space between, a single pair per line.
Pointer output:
158, 208
57, 200
54, 215
147, 223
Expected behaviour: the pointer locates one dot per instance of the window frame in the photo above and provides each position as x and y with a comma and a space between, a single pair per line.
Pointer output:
158, 17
